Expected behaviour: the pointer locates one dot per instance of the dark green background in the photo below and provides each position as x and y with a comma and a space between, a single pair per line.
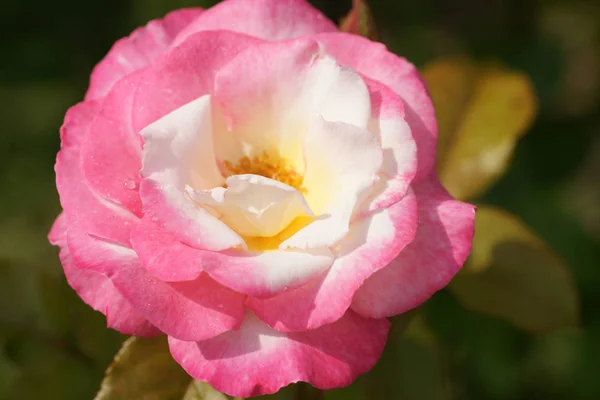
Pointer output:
52, 346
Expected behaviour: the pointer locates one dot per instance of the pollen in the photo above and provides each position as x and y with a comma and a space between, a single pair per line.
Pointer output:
269, 166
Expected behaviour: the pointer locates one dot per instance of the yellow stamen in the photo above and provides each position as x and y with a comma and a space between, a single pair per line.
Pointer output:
268, 166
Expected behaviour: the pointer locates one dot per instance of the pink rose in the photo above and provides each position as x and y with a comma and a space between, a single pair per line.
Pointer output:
260, 188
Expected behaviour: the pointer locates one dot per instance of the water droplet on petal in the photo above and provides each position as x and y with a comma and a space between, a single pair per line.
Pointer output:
130, 185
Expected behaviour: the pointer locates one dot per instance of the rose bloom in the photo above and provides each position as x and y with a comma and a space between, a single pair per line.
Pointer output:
259, 187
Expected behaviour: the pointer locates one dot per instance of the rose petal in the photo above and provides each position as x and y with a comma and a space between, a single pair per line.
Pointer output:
266, 19
111, 137
373, 60
163, 255
371, 244
98, 239
342, 162
253, 205
97, 290
257, 360
138, 50
185, 73
178, 152
399, 148
271, 93
425, 266
176, 308
192, 310
264, 273
259, 273
83, 209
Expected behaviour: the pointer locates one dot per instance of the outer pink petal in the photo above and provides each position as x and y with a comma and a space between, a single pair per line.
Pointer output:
84, 209
111, 150
98, 240
192, 310
97, 290
163, 255
138, 50
266, 19
185, 73
372, 243
257, 360
376, 62
425, 266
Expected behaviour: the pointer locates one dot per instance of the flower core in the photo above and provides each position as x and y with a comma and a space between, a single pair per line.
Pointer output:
272, 167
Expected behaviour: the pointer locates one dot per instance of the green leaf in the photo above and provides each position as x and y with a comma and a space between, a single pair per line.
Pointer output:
482, 111
359, 21
144, 369
412, 367
47, 367
203, 391
513, 275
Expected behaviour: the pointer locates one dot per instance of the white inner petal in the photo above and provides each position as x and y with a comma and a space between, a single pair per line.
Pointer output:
342, 162
274, 114
313, 121
178, 151
180, 145
253, 205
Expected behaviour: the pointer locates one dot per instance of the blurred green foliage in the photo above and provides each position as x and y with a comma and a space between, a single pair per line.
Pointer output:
52, 346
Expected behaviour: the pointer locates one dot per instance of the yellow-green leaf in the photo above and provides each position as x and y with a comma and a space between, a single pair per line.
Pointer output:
513, 275
482, 110
359, 21
144, 369
203, 391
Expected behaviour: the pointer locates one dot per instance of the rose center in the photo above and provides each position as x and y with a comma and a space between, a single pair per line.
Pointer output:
269, 166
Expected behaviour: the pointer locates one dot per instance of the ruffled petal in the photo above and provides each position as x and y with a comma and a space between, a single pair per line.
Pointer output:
111, 137
272, 92
84, 209
264, 273
256, 360
192, 310
259, 273
371, 244
266, 19
342, 163
137, 50
177, 153
185, 73
98, 240
441, 246
177, 308
163, 255
253, 205
374, 61
97, 290
399, 166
